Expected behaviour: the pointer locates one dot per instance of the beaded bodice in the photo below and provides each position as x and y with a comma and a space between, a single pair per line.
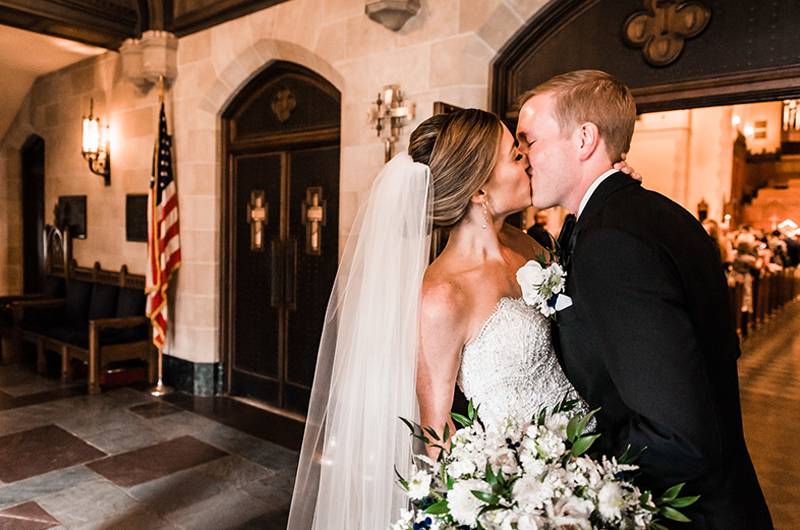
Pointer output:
510, 368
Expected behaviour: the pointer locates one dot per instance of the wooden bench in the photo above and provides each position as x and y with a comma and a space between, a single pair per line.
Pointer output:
101, 319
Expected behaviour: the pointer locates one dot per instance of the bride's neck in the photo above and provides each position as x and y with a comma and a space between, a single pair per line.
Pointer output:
469, 240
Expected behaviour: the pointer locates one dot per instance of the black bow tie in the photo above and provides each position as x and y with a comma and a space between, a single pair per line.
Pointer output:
565, 242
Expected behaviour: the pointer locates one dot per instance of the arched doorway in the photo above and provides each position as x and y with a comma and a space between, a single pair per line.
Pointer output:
33, 258
746, 52
280, 231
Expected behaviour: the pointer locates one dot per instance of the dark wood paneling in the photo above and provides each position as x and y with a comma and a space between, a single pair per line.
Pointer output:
104, 23
748, 52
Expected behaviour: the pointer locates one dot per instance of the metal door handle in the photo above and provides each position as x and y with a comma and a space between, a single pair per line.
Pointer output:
275, 274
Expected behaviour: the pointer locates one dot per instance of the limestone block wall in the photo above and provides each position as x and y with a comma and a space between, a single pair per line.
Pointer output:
444, 53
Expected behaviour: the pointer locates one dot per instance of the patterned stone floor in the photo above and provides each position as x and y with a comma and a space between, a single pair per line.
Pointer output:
121, 460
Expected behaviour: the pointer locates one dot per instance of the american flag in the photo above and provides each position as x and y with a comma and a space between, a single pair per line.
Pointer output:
163, 238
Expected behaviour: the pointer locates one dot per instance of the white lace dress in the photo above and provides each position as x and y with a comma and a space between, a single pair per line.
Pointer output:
510, 368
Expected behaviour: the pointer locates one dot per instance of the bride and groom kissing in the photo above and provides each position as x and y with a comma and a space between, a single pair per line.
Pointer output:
642, 333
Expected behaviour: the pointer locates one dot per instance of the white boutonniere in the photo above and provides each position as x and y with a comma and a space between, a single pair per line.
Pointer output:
542, 286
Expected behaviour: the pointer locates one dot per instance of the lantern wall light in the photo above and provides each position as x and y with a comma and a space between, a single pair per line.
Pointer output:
95, 147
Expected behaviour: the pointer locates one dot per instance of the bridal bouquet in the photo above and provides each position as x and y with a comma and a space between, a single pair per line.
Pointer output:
527, 476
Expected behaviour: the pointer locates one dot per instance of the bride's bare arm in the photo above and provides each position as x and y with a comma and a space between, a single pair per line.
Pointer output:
439, 354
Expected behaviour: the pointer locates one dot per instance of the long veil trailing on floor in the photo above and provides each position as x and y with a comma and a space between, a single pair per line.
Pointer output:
366, 367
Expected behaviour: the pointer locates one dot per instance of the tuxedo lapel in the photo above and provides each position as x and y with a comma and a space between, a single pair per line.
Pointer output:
608, 187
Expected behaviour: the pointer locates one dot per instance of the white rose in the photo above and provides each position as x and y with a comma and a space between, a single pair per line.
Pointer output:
550, 445
530, 277
532, 464
610, 501
464, 506
530, 494
556, 278
419, 486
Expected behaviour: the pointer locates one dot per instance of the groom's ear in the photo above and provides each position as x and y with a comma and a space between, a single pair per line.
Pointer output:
587, 140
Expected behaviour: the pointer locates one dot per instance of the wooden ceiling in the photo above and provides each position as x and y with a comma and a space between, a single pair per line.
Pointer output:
107, 23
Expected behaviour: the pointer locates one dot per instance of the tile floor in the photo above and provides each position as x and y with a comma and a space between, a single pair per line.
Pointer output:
122, 460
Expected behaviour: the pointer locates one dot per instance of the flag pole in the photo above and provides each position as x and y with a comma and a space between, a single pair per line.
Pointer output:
160, 389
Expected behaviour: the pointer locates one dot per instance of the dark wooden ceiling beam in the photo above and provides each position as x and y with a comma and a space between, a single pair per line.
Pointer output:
97, 22
191, 19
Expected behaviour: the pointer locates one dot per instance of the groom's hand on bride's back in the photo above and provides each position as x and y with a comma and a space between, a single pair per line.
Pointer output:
623, 166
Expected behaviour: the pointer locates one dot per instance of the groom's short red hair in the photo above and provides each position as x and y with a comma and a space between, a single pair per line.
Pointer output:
592, 96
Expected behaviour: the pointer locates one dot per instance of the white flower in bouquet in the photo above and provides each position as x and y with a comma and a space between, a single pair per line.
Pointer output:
464, 506
541, 285
550, 445
557, 423
610, 501
532, 493
572, 512
528, 476
419, 486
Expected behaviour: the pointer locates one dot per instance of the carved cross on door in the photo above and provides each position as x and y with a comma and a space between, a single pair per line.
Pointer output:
662, 30
314, 219
257, 211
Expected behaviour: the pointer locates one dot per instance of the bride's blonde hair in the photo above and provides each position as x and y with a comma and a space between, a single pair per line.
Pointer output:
460, 148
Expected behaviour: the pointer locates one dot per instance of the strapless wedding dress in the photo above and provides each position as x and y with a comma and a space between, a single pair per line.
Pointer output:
510, 368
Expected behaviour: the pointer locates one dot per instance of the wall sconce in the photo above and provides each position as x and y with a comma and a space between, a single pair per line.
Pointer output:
389, 113
95, 145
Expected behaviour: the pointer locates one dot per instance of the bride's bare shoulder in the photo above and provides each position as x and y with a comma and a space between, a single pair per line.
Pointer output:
443, 299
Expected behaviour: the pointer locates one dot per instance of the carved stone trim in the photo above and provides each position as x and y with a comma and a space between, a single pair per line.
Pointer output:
392, 13
663, 28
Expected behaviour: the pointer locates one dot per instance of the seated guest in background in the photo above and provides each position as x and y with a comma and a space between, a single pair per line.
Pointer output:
539, 231
714, 233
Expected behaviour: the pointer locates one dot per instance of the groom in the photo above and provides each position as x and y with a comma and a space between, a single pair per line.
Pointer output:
647, 337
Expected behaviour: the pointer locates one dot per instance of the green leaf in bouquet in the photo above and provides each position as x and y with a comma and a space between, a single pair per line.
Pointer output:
645, 497
585, 419
439, 508
583, 444
450, 482
488, 498
542, 417
683, 502
432, 432
674, 515
403, 482
656, 526
672, 493
471, 410
446, 432
424, 438
572, 428
461, 419
627, 459
491, 478
409, 424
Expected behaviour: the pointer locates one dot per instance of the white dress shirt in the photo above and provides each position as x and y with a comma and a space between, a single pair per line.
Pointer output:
588, 195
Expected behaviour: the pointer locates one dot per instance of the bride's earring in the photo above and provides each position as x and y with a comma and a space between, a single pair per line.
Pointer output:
485, 224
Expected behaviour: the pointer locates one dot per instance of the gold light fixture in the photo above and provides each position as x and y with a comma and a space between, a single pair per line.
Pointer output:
95, 145
389, 113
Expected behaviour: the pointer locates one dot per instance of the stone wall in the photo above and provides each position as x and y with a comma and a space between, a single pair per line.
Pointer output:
444, 53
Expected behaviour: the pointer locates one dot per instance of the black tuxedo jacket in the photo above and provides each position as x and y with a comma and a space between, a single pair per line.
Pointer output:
650, 340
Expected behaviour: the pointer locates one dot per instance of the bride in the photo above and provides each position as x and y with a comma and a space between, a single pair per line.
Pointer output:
399, 334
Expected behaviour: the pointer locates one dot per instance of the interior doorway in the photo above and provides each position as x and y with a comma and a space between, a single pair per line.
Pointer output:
280, 226
33, 257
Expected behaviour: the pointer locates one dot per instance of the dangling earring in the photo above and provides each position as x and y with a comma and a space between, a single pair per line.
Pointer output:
485, 224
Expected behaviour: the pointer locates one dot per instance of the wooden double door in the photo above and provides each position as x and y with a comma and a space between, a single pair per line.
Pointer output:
281, 237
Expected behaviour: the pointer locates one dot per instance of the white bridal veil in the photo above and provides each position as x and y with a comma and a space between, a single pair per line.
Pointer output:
366, 367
